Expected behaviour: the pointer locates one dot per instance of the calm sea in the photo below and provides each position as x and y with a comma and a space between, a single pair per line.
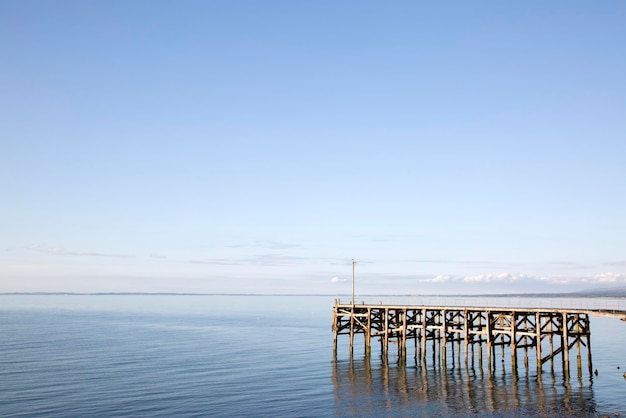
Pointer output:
148, 355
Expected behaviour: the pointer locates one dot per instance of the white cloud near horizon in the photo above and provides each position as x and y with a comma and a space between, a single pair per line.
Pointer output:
481, 278
609, 277
504, 278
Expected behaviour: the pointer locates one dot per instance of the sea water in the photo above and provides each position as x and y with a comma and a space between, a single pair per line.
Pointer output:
210, 355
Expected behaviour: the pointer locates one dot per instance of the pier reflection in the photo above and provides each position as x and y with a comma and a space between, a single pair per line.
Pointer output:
372, 386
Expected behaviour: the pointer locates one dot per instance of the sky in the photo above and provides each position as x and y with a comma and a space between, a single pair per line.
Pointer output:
259, 146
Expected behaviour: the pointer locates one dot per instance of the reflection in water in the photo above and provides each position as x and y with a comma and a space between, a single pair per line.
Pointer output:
375, 387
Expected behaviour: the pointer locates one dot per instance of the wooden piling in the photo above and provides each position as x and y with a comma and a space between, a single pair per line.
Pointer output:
465, 336
367, 337
490, 354
565, 343
538, 341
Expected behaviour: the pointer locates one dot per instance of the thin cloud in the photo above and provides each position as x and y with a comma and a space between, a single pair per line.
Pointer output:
58, 250
380, 240
570, 265
563, 263
269, 260
95, 254
504, 265
282, 246
269, 245
618, 263
259, 260
460, 262
218, 262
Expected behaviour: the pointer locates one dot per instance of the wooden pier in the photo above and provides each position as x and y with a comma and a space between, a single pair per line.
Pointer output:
549, 332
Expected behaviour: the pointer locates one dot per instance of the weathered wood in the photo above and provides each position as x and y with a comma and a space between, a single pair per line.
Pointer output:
516, 328
538, 341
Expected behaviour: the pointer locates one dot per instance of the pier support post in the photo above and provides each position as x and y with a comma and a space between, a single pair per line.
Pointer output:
589, 353
465, 336
335, 329
415, 337
565, 345
538, 341
489, 340
424, 336
368, 332
351, 329
513, 341
386, 335
526, 358
579, 366
444, 339
402, 336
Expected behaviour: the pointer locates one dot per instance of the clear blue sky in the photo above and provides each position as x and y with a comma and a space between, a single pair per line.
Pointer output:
259, 146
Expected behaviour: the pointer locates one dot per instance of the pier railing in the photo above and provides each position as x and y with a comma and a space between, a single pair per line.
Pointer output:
599, 305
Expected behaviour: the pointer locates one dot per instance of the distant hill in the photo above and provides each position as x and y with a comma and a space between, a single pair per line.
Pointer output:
613, 292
